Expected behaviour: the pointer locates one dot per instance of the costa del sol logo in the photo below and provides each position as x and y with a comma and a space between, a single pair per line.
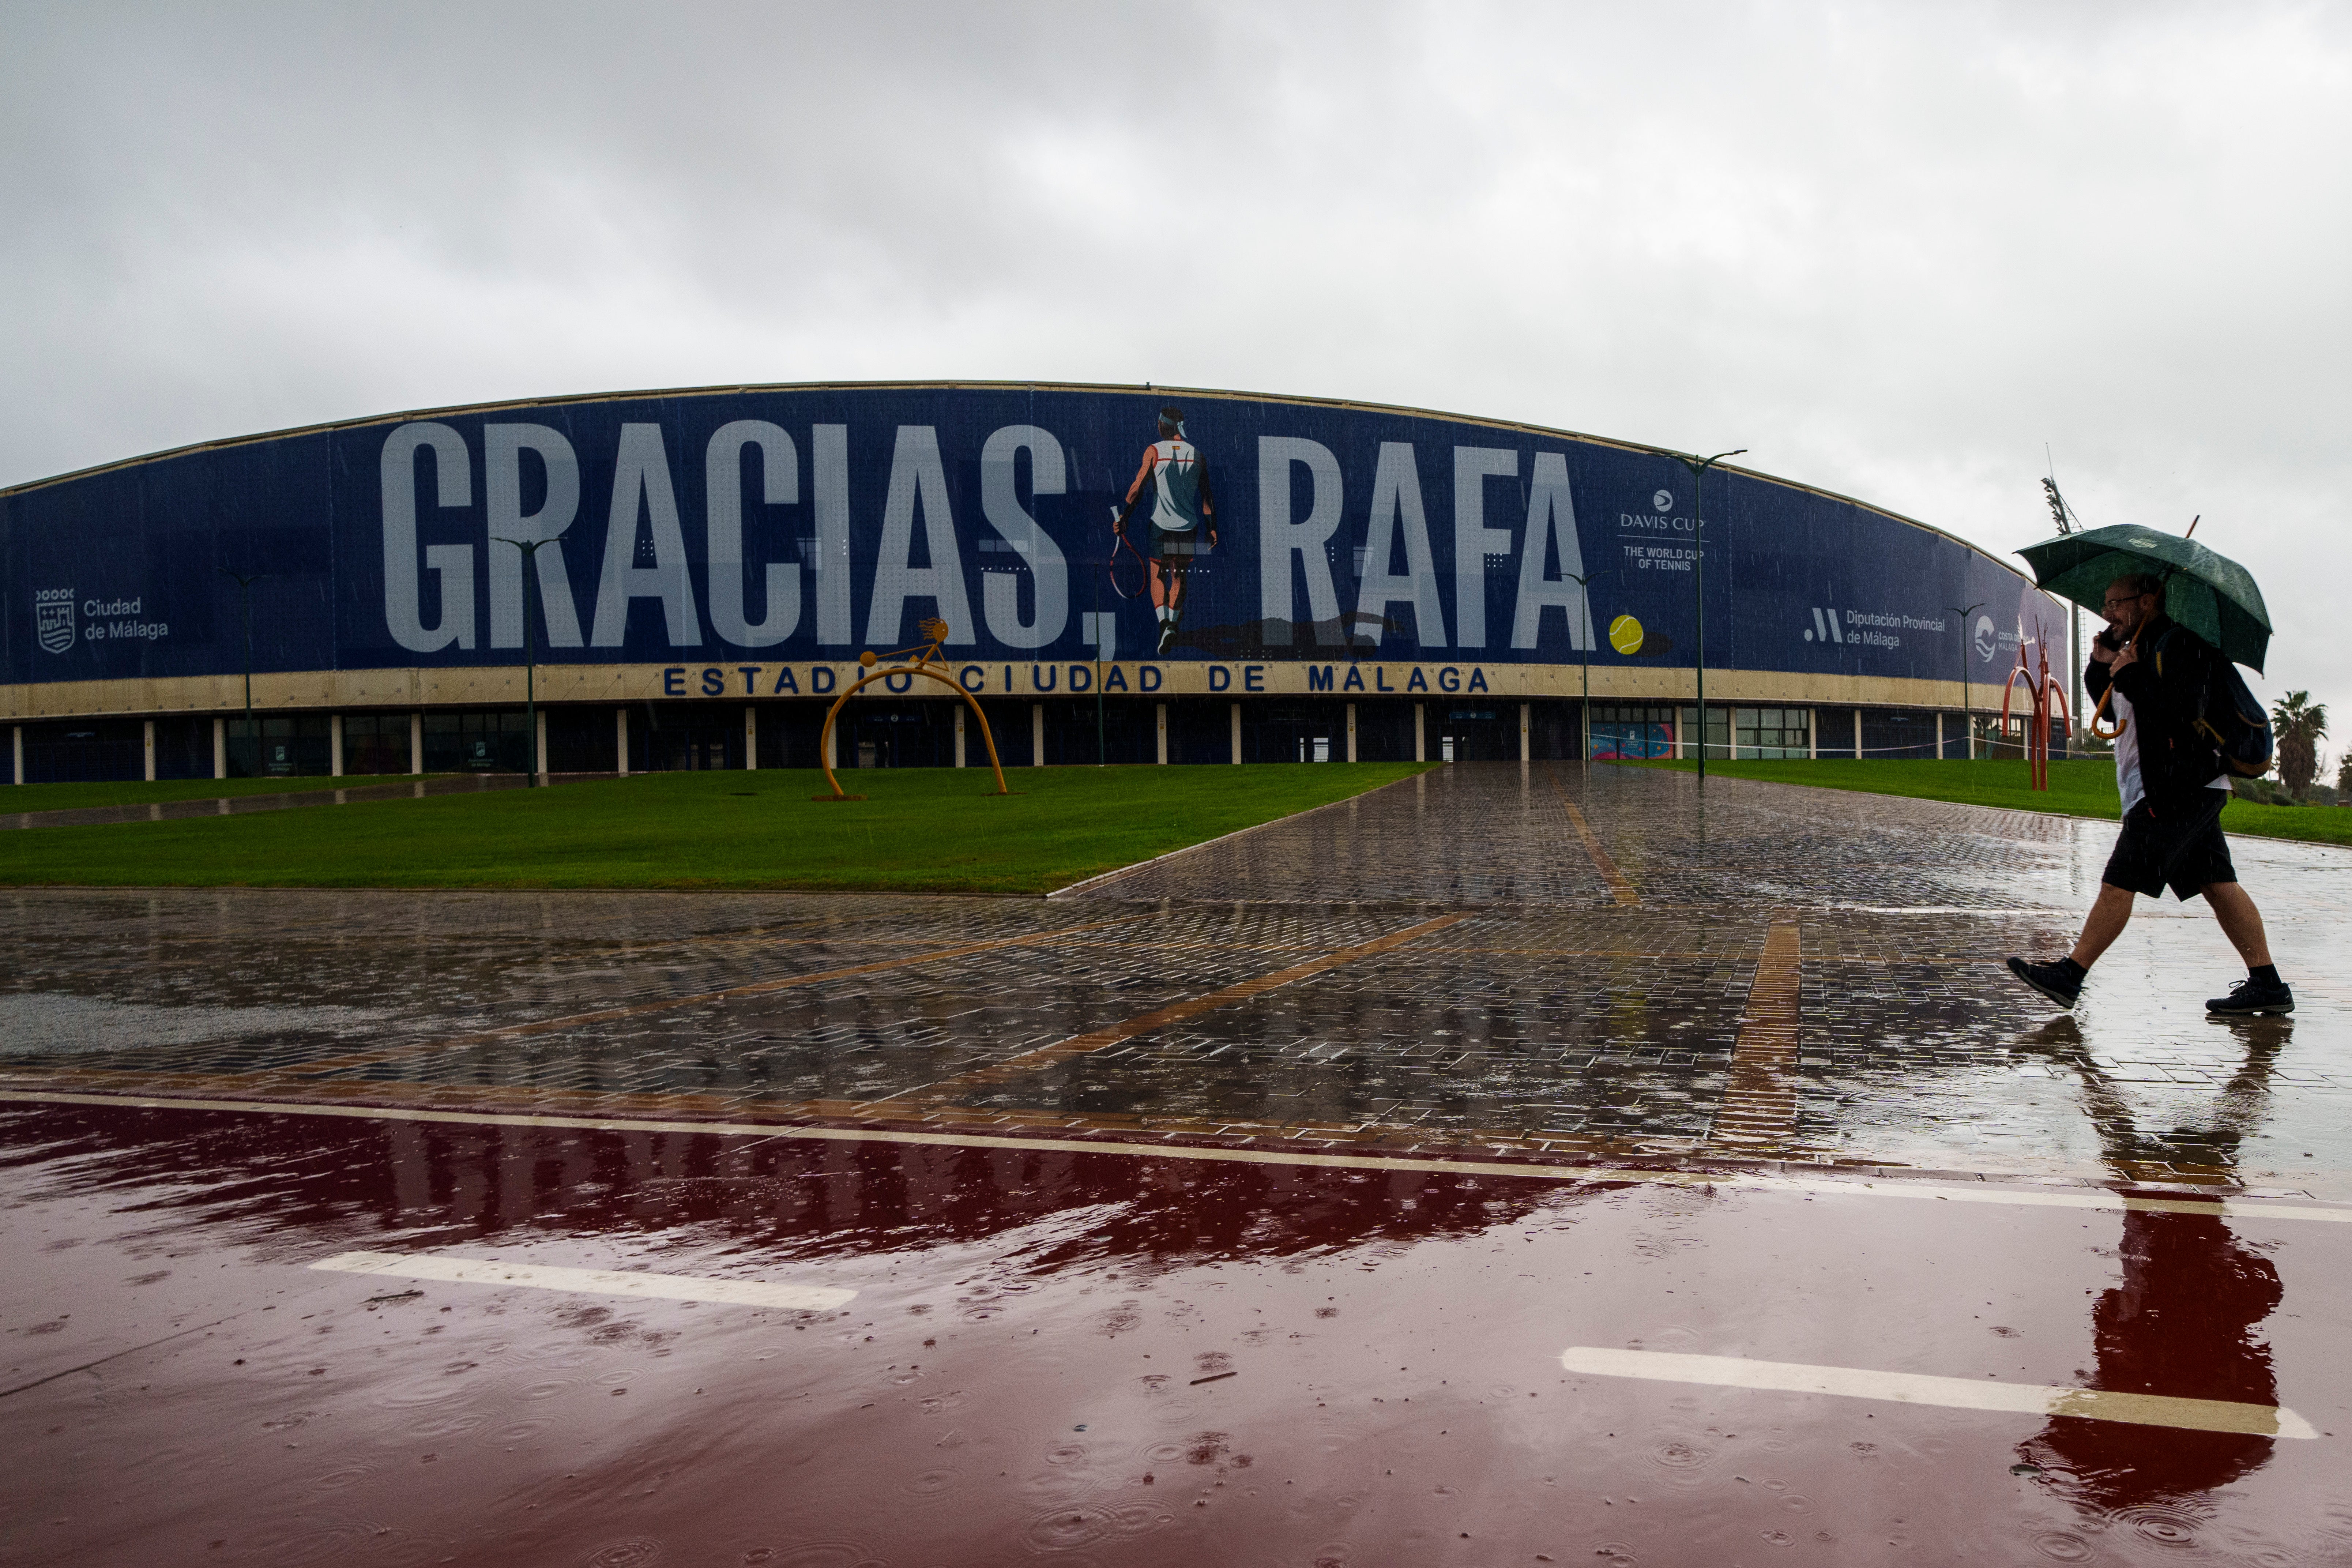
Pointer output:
53, 616
1987, 641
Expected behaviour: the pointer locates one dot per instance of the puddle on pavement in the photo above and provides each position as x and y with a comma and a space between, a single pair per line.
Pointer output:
46, 1023
1097, 1357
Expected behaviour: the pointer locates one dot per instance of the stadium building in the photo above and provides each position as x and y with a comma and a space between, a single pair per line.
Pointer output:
686, 580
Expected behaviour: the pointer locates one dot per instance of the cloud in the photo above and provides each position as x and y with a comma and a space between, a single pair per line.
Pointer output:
1893, 251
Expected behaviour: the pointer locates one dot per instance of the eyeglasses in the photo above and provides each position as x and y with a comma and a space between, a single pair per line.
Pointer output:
2128, 599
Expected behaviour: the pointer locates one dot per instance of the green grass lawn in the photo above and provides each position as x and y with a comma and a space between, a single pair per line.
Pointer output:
2080, 787
928, 830
67, 796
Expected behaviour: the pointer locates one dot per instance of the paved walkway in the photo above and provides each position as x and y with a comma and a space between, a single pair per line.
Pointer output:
1523, 960
1510, 1166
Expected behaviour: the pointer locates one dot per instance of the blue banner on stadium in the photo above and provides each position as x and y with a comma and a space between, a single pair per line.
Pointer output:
814, 522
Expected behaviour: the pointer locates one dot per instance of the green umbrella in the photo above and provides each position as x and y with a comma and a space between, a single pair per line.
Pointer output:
2211, 595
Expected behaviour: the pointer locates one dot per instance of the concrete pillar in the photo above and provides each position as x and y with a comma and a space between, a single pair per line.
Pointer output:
1523, 730
1351, 731
539, 743
19, 749
959, 712
335, 745
1813, 734
621, 740
1160, 710
750, 739
1420, 736
149, 736
1036, 734
416, 743
1940, 737
220, 748
1237, 733
1857, 735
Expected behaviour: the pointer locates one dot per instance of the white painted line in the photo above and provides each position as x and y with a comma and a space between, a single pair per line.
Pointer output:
587, 1281
1952, 1392
1995, 1191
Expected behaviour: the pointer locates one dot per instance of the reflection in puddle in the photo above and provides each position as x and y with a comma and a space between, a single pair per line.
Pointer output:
2185, 1321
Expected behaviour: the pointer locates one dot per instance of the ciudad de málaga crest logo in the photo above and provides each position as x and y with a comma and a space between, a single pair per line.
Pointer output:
53, 616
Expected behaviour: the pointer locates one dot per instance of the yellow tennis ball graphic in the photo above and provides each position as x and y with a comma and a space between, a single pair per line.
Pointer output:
1625, 635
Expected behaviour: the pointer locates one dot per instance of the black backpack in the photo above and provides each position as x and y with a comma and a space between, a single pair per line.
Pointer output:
2236, 723
2231, 720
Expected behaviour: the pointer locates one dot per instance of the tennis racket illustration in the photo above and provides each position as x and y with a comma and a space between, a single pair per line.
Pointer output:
1127, 572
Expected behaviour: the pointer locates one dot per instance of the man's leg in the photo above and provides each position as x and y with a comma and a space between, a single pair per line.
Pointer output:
1163, 586
1172, 615
2261, 991
2062, 981
2106, 922
2241, 922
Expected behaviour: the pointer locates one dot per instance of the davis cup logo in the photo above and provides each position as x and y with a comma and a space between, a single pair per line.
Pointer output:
53, 614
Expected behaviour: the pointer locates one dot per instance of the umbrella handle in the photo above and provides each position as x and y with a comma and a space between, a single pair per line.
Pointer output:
2100, 712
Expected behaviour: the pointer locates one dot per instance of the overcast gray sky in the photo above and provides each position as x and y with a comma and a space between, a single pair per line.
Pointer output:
1894, 250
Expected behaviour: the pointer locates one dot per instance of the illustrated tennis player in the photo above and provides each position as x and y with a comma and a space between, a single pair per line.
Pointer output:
1183, 517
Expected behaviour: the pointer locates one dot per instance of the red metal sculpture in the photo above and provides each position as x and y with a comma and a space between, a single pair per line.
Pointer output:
2048, 692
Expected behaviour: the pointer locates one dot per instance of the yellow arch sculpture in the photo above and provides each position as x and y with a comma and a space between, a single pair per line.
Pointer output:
936, 630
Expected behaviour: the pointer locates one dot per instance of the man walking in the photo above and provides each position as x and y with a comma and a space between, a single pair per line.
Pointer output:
1183, 511
2173, 787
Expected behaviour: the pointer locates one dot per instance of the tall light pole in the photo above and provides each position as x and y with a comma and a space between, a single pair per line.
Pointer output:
1698, 467
245, 606
1967, 719
530, 548
1584, 715
2062, 514
1102, 752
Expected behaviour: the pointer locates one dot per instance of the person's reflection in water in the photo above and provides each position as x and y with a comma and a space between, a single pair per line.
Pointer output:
2183, 1321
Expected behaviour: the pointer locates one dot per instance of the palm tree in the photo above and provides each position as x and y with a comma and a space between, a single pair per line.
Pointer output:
2297, 723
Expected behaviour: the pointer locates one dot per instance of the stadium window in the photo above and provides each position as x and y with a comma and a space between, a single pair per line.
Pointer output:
375, 743
1767, 732
477, 742
1631, 729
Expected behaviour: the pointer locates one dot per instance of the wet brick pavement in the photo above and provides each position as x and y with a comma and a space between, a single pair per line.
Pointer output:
1517, 992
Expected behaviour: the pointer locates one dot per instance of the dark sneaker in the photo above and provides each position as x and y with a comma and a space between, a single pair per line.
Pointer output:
2253, 996
2062, 983
1167, 635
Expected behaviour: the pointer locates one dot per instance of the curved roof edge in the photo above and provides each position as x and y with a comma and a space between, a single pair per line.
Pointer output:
1399, 408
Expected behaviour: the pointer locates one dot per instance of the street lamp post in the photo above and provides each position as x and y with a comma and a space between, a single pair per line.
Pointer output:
1102, 746
245, 607
1584, 715
1967, 719
1698, 467
530, 548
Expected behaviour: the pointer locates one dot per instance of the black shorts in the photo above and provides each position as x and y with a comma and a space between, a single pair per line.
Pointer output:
1175, 548
2177, 846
